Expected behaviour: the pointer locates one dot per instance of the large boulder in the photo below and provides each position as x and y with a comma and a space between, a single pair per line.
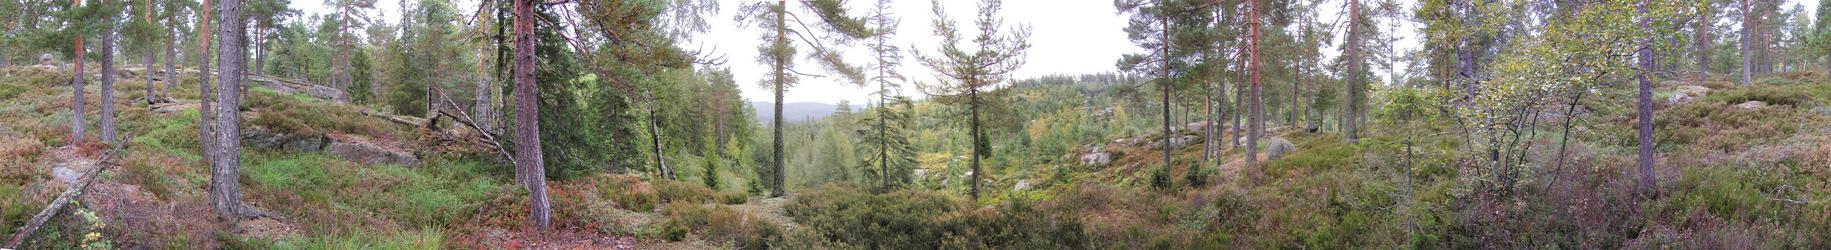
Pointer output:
1180, 141
1197, 127
1096, 157
369, 153
262, 138
1686, 94
1752, 105
47, 59
1278, 147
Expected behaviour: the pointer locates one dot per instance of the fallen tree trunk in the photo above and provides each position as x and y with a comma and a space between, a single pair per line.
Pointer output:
395, 119
465, 118
39, 220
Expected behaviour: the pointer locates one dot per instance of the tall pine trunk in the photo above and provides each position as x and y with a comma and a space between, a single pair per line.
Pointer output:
531, 166
484, 113
1257, 109
205, 111
146, 66
1164, 81
1352, 55
260, 51
978, 139
1746, 40
107, 88
171, 57
225, 179
1702, 44
1239, 106
1646, 101
76, 88
781, 40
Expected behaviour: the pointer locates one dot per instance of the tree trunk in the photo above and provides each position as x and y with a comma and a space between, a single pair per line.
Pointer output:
205, 111
485, 113
654, 135
1256, 109
146, 66
171, 56
1239, 107
883, 108
76, 117
225, 180
107, 91
973, 105
1702, 44
1646, 101
1352, 55
781, 39
1746, 39
260, 51
1164, 82
527, 119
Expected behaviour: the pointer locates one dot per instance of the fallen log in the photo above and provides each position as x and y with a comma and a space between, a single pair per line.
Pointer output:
65, 198
395, 119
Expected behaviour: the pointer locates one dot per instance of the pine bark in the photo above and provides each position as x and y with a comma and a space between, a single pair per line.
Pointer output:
527, 120
1702, 44
1164, 82
205, 111
76, 117
225, 180
1352, 54
978, 138
171, 56
1747, 70
107, 88
1646, 101
485, 112
781, 38
146, 66
260, 51
1256, 109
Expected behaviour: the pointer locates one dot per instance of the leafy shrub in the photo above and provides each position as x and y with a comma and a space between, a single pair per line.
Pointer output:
669, 191
297, 114
17, 156
1772, 95
718, 223
8, 91
926, 220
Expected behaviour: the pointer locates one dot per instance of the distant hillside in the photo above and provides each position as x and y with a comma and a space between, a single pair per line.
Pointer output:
795, 111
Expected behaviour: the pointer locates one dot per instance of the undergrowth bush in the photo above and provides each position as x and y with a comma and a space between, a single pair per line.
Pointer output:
718, 223
295, 114
912, 219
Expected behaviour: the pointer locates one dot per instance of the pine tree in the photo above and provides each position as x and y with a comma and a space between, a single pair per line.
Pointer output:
225, 176
974, 71
785, 39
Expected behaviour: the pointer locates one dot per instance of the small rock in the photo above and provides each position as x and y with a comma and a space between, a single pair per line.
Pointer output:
1021, 185
47, 59
66, 175
1752, 105
1278, 147
1199, 127
1096, 159
1686, 94
304, 144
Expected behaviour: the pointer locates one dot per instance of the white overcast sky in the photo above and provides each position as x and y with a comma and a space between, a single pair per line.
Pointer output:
1070, 37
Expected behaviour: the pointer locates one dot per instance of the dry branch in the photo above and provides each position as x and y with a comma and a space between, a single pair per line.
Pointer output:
464, 118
